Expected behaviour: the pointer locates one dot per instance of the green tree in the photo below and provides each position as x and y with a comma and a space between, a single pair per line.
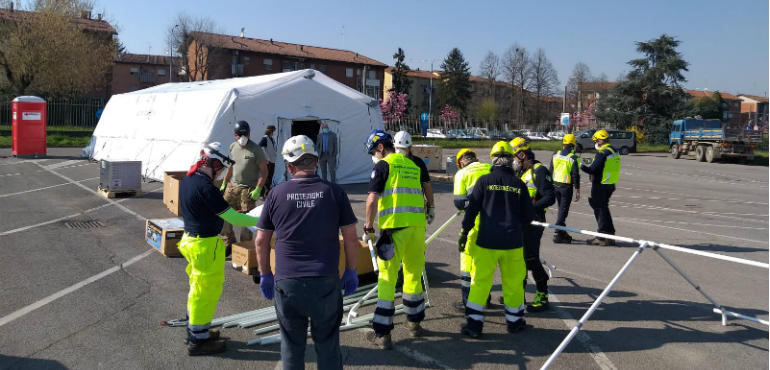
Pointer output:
488, 111
401, 82
455, 85
707, 107
651, 94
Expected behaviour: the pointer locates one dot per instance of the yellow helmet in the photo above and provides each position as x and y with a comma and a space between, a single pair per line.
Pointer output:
518, 144
501, 148
461, 153
569, 139
601, 135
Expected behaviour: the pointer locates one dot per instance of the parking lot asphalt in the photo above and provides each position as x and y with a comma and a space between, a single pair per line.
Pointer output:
94, 297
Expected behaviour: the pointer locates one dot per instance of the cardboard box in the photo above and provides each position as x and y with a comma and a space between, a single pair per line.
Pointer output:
430, 154
171, 182
244, 257
163, 234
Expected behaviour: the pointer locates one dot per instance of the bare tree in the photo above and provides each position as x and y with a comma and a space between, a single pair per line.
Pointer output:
580, 75
516, 68
183, 35
45, 51
543, 80
490, 69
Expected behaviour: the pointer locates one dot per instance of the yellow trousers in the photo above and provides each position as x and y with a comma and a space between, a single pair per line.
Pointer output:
206, 269
409, 245
512, 273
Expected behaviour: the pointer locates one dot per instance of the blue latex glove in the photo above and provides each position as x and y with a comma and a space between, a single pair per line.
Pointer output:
266, 285
349, 281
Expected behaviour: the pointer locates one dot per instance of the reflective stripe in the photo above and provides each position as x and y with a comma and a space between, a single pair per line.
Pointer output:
474, 306
383, 320
402, 209
414, 310
515, 311
512, 318
388, 305
465, 283
476, 317
195, 328
412, 297
401, 191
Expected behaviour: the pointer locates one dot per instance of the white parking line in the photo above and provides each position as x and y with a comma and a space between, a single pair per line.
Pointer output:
34, 306
55, 220
44, 188
597, 354
61, 164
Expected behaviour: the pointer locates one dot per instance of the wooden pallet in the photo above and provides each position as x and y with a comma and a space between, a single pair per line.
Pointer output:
118, 194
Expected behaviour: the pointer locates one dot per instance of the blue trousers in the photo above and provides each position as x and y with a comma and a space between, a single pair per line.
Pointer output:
317, 299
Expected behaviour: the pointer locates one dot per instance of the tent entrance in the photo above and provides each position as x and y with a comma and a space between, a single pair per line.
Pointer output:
307, 128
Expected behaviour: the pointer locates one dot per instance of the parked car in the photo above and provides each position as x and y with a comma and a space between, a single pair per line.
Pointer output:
478, 133
623, 141
502, 135
458, 134
436, 133
556, 135
537, 136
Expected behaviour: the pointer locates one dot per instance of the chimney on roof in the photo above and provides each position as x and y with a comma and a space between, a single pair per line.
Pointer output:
243, 29
99, 16
85, 14
10, 6
271, 41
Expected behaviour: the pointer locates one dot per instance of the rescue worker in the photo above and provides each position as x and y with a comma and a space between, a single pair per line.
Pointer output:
501, 201
470, 170
402, 141
204, 211
519, 143
604, 172
307, 215
244, 181
395, 197
540, 188
565, 168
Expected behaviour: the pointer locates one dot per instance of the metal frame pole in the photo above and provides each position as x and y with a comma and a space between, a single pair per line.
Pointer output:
593, 307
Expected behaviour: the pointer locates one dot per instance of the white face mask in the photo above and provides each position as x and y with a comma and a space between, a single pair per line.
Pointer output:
516, 166
375, 159
243, 140
597, 146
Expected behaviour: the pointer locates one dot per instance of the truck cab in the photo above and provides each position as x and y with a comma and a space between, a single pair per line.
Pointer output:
709, 140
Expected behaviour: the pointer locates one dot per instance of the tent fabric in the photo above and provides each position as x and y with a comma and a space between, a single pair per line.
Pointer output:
165, 126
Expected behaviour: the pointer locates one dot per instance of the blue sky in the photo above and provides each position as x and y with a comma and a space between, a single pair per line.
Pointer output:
725, 42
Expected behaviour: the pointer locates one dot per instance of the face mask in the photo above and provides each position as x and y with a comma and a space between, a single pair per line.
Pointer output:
243, 140
516, 166
221, 175
375, 159
325, 130
597, 146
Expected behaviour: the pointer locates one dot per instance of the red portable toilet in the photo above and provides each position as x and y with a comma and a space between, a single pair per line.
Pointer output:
28, 126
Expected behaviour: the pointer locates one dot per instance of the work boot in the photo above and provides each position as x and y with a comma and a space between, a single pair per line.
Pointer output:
562, 237
600, 242
459, 306
466, 330
517, 326
415, 329
383, 342
540, 303
213, 335
207, 347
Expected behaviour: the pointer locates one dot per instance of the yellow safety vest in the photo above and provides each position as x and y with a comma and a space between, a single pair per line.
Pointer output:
529, 179
467, 177
401, 203
562, 167
611, 171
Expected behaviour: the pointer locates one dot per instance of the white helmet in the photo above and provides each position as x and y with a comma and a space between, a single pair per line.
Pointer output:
213, 150
402, 140
296, 147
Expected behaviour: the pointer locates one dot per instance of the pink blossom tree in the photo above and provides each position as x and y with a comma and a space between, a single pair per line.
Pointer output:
448, 115
394, 107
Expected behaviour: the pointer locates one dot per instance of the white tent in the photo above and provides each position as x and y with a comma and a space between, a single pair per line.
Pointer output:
165, 126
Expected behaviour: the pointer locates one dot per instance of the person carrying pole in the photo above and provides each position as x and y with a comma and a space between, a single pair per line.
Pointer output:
204, 211
244, 181
501, 201
402, 141
604, 172
565, 168
395, 197
470, 170
307, 214
540, 189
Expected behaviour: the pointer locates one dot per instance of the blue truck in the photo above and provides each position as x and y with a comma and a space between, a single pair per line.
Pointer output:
710, 140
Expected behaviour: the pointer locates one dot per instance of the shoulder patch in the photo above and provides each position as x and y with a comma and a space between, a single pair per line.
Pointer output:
373, 173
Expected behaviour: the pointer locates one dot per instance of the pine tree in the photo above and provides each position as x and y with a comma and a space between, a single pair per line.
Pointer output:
401, 82
455, 85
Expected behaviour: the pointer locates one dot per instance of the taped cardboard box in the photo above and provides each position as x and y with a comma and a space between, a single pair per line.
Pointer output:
163, 234
244, 258
430, 154
171, 182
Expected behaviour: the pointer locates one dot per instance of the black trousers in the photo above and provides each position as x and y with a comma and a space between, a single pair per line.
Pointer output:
563, 199
270, 173
532, 236
600, 202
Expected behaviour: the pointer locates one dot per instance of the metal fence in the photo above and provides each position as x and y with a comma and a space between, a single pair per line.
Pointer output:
77, 112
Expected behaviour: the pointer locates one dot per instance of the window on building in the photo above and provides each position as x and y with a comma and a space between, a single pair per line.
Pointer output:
372, 75
287, 66
349, 72
358, 72
134, 71
246, 60
268, 64
161, 72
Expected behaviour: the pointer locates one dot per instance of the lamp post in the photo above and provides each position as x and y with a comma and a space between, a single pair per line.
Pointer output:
171, 52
